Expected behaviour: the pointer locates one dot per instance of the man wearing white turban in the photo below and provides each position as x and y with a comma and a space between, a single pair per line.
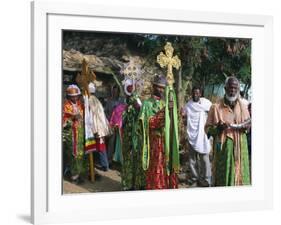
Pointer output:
99, 125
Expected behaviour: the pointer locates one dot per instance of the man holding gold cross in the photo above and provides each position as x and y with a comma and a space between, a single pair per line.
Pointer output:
159, 128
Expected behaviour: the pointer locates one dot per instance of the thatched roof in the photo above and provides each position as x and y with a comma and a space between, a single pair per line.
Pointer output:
72, 61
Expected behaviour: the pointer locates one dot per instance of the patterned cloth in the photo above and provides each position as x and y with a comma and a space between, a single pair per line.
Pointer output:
90, 140
133, 176
116, 116
116, 121
152, 118
231, 163
73, 137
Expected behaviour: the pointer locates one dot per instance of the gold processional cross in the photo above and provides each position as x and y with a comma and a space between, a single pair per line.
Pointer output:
168, 60
83, 79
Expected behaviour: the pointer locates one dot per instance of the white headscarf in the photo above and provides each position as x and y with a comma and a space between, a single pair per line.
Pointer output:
92, 87
127, 83
73, 86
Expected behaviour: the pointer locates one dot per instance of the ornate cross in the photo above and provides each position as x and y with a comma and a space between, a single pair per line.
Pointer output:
169, 61
131, 71
85, 77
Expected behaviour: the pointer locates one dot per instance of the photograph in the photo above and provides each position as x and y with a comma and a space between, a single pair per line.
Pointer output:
153, 111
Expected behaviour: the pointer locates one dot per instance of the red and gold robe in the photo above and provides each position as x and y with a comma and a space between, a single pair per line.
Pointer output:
70, 109
152, 117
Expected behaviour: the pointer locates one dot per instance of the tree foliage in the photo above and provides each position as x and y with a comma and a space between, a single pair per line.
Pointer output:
205, 60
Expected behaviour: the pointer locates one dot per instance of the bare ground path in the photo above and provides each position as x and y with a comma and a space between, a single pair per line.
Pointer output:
108, 182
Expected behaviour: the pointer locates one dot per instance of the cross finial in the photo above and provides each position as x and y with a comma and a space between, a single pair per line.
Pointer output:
169, 61
85, 77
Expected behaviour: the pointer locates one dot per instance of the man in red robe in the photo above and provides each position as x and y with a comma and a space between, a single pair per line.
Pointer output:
152, 118
73, 134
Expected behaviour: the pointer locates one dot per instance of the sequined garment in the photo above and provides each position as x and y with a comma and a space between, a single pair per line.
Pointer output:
152, 117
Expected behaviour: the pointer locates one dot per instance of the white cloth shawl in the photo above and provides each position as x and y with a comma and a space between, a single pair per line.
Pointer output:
89, 135
196, 118
100, 124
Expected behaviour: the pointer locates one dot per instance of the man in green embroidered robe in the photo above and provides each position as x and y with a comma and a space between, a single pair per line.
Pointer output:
228, 121
160, 162
133, 176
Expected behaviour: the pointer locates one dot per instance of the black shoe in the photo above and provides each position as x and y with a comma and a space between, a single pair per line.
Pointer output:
67, 176
203, 183
191, 182
74, 180
104, 169
99, 167
79, 180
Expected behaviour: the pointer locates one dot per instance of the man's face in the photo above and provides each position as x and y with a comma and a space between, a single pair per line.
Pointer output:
130, 88
232, 88
158, 91
74, 99
196, 94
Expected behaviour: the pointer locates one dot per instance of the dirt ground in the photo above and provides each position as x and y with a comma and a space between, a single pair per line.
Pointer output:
108, 182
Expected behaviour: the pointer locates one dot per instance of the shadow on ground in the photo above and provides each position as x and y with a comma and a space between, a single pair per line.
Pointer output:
108, 182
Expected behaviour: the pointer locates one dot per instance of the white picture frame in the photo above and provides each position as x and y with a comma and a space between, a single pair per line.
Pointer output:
48, 205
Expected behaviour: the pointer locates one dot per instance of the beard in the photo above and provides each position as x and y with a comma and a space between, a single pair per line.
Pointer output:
231, 99
196, 99
159, 94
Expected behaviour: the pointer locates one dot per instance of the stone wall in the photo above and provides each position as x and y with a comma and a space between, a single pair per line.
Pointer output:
107, 54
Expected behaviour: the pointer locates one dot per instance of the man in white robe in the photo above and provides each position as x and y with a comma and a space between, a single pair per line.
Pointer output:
99, 126
196, 111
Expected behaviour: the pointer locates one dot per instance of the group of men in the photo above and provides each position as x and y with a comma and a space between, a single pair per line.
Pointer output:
228, 123
135, 134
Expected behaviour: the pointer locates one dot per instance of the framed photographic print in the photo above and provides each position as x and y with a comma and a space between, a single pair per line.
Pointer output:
141, 112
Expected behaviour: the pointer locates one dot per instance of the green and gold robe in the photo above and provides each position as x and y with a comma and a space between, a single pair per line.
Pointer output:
159, 161
230, 162
133, 176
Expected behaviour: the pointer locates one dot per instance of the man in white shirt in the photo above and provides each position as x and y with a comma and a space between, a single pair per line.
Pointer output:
196, 111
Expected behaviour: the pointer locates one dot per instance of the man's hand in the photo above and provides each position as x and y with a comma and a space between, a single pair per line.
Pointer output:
246, 127
161, 117
182, 112
136, 106
222, 126
161, 114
